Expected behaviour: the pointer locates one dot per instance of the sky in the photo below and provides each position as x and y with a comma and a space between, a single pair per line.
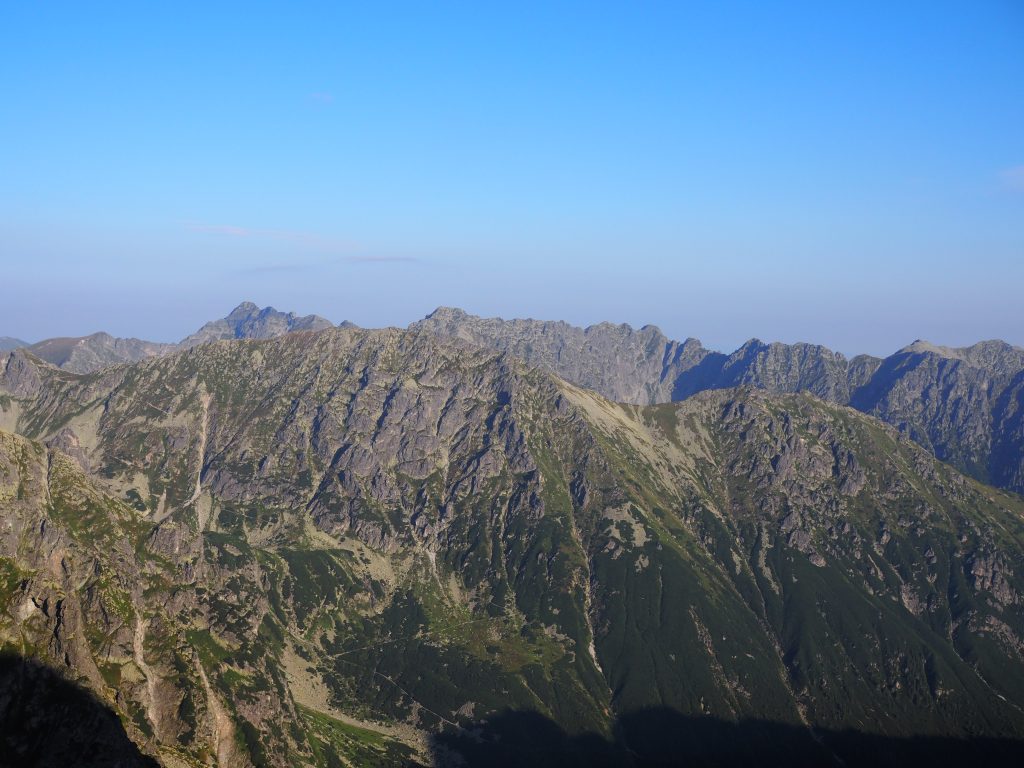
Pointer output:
850, 174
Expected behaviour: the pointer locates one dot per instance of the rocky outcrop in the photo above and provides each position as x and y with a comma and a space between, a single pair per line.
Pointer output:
958, 403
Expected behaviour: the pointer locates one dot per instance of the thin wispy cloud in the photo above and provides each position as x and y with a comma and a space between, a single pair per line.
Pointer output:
270, 269
219, 229
311, 240
295, 267
381, 259
308, 241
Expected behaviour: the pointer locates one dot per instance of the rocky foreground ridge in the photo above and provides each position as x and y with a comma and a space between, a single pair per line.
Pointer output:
385, 547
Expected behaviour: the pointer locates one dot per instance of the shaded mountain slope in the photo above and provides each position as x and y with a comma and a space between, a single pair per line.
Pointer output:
337, 545
46, 721
623, 364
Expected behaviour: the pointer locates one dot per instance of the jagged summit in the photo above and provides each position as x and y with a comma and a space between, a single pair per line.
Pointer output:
248, 321
966, 405
445, 313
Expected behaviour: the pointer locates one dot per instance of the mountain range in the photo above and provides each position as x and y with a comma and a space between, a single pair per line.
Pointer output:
85, 354
964, 405
483, 542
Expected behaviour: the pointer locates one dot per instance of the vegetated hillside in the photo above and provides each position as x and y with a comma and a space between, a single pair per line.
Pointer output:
960, 404
366, 547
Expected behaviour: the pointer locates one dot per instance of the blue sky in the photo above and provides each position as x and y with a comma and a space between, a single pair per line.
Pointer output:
850, 174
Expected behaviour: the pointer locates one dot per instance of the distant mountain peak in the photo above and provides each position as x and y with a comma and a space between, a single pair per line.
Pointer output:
992, 351
249, 321
7, 343
448, 313
923, 346
83, 354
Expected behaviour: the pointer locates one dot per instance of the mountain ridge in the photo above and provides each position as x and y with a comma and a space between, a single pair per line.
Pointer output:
963, 404
85, 354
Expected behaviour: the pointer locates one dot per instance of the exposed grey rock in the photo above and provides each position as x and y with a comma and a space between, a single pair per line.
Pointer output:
19, 375
962, 404
247, 321
620, 362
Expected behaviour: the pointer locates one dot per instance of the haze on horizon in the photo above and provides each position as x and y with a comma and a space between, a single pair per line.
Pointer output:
851, 176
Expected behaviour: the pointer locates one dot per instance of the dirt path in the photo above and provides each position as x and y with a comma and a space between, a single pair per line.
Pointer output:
138, 648
223, 727
204, 429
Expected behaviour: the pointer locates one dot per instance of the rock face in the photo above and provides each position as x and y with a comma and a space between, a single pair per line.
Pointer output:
958, 403
623, 364
374, 547
644, 367
247, 321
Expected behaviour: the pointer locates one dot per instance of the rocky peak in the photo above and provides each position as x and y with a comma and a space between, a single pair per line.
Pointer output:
248, 321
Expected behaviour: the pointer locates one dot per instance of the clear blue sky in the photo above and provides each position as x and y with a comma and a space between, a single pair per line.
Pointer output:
845, 173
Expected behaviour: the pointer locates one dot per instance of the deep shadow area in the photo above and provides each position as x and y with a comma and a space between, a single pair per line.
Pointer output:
660, 737
46, 720
707, 374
